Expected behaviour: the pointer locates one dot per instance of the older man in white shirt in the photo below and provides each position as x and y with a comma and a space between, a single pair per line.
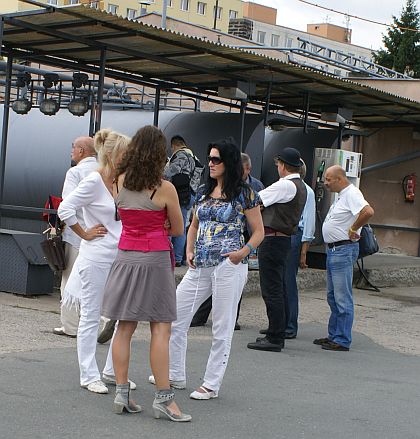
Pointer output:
341, 232
84, 155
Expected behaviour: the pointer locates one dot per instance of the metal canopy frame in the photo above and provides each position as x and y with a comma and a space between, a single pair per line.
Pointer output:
73, 37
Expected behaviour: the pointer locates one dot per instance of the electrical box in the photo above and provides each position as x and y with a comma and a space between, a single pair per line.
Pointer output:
351, 162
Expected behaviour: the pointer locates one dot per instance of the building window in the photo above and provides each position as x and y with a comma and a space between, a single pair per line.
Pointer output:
112, 8
170, 4
233, 14
217, 12
52, 2
185, 5
131, 13
275, 40
261, 37
289, 42
94, 5
201, 8
74, 2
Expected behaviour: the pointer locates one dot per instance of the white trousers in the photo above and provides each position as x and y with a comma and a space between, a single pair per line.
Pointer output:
93, 276
69, 314
224, 283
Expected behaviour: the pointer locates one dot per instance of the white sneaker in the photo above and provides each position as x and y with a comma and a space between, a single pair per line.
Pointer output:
206, 394
180, 385
110, 379
96, 387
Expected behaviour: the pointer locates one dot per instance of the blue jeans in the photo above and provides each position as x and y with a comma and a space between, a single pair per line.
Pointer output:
179, 241
291, 284
340, 261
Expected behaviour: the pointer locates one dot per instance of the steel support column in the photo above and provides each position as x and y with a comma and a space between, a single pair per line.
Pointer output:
101, 82
5, 126
243, 113
267, 104
156, 109
340, 135
306, 114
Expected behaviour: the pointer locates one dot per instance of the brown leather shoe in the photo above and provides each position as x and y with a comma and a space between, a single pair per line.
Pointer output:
331, 346
321, 341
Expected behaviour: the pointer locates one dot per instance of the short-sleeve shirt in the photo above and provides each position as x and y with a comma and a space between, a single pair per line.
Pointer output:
342, 214
221, 225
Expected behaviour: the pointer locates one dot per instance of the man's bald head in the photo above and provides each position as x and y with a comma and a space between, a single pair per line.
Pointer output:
336, 179
82, 148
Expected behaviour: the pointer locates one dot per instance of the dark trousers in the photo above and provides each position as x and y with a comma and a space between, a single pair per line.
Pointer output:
202, 314
272, 258
291, 284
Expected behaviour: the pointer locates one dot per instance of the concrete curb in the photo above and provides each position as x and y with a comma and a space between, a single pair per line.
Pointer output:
312, 279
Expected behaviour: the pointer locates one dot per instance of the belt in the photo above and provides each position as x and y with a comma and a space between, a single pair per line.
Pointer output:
276, 234
337, 243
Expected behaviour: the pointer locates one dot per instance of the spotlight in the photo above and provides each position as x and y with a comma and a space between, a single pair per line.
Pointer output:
21, 106
78, 106
23, 79
49, 107
50, 79
79, 79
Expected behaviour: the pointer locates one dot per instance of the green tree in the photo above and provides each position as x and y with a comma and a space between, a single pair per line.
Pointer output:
402, 49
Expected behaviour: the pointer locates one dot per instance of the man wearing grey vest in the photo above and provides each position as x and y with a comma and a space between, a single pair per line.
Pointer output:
283, 204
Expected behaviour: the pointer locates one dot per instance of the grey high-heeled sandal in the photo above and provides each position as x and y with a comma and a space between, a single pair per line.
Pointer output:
122, 400
160, 407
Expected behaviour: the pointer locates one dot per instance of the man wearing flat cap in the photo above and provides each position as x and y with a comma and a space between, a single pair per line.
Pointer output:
283, 204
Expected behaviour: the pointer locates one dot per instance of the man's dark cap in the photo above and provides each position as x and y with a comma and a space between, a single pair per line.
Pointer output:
290, 156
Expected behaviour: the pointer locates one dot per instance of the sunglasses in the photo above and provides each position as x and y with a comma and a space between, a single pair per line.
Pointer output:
214, 160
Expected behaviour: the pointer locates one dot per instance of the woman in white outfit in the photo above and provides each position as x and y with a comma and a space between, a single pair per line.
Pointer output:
97, 252
217, 258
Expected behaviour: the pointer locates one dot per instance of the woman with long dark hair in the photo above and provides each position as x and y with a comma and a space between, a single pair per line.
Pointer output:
141, 283
217, 258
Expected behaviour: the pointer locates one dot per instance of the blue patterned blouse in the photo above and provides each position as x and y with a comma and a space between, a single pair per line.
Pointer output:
220, 226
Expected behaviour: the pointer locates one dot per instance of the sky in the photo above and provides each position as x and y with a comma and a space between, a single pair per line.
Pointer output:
295, 14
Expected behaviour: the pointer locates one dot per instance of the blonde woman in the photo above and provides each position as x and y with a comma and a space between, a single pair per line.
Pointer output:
97, 251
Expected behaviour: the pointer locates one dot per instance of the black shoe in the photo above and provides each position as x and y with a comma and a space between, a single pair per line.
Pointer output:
178, 264
108, 331
321, 341
263, 331
332, 346
262, 344
195, 324
237, 327
289, 336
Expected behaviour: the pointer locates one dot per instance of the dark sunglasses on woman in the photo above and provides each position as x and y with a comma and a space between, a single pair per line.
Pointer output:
214, 160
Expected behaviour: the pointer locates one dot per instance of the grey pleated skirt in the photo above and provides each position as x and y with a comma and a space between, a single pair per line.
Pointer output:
141, 287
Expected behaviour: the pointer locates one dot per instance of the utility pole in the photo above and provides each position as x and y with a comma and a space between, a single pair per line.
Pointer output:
216, 8
164, 8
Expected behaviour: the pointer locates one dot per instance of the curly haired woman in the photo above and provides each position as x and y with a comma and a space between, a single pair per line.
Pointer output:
141, 284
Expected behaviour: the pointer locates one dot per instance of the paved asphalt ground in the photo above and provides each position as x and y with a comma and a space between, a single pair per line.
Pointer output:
302, 392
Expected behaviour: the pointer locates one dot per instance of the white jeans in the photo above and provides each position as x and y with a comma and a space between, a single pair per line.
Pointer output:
225, 283
93, 276
69, 314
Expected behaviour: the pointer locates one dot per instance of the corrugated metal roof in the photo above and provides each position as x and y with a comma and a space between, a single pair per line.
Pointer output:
76, 34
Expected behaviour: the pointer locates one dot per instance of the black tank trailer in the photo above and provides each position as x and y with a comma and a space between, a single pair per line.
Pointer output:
39, 146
